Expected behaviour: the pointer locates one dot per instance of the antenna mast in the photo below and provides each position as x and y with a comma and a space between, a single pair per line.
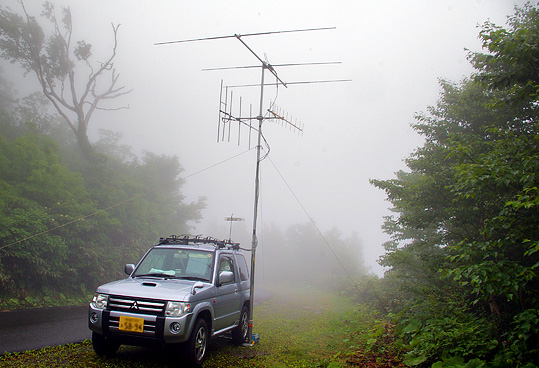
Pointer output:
227, 117
254, 241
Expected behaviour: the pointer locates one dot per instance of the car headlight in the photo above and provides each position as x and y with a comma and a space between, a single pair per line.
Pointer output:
100, 301
177, 309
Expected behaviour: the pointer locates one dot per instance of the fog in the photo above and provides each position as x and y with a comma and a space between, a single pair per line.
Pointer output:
393, 51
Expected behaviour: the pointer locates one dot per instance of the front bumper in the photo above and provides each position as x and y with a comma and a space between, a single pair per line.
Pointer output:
157, 329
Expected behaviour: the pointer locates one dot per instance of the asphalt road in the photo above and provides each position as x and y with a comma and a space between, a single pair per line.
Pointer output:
31, 329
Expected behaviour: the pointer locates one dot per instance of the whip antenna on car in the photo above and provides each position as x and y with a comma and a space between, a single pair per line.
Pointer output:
229, 114
232, 219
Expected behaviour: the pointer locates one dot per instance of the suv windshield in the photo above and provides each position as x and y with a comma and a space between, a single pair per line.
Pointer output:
177, 263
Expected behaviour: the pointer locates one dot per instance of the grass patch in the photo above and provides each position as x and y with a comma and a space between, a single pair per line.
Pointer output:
299, 327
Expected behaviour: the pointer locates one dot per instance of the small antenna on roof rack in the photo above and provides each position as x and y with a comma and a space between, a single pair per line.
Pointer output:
232, 219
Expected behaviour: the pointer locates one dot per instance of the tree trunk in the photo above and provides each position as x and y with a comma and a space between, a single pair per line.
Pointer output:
494, 308
84, 143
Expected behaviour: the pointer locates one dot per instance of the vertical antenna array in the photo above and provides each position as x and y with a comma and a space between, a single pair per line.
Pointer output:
231, 115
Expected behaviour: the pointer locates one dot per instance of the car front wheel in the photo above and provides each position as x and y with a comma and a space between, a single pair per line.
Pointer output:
103, 345
197, 344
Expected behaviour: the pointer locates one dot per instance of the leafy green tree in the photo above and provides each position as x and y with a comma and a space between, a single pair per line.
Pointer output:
467, 220
68, 224
65, 231
7, 101
501, 264
53, 59
511, 61
38, 196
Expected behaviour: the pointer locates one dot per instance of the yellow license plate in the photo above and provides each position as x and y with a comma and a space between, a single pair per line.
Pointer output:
131, 324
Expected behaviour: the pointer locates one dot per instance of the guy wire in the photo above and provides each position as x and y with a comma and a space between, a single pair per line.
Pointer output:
314, 224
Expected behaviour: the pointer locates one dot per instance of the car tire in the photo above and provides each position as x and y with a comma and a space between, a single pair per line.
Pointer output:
239, 334
103, 345
197, 345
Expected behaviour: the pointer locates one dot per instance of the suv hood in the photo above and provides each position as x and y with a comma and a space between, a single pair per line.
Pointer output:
151, 288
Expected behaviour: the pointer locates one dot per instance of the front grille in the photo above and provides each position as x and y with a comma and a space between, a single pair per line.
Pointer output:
136, 305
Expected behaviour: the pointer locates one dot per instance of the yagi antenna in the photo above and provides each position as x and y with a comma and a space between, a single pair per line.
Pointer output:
227, 116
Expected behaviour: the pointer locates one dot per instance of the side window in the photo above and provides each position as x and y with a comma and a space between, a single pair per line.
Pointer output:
244, 271
226, 264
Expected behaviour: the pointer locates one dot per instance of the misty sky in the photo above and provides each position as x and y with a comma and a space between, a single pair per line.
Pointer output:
394, 52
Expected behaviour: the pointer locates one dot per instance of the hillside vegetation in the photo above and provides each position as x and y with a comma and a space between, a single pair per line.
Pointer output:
462, 280
67, 223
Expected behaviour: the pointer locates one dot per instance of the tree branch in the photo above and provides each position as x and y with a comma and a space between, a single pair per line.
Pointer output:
50, 59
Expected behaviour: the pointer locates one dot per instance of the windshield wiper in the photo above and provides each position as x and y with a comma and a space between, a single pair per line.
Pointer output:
194, 278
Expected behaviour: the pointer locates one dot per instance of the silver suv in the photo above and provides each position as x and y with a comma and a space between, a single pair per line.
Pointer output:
185, 290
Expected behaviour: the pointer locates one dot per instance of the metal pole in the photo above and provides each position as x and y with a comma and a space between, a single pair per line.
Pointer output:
255, 215
230, 234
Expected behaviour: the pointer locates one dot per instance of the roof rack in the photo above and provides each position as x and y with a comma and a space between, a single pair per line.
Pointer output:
186, 239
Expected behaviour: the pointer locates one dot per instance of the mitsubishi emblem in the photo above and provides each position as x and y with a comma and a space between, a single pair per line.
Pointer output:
135, 305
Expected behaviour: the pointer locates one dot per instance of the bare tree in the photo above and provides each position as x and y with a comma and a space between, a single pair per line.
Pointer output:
53, 59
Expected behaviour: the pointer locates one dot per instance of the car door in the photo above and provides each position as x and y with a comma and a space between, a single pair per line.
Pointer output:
227, 301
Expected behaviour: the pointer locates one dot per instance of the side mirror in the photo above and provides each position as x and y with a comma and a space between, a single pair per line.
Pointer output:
226, 277
129, 268
197, 285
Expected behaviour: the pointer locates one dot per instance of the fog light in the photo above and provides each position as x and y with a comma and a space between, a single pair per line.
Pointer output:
175, 327
93, 317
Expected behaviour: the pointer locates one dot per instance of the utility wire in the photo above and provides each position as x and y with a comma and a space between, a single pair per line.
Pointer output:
312, 221
114, 205
70, 222
217, 164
